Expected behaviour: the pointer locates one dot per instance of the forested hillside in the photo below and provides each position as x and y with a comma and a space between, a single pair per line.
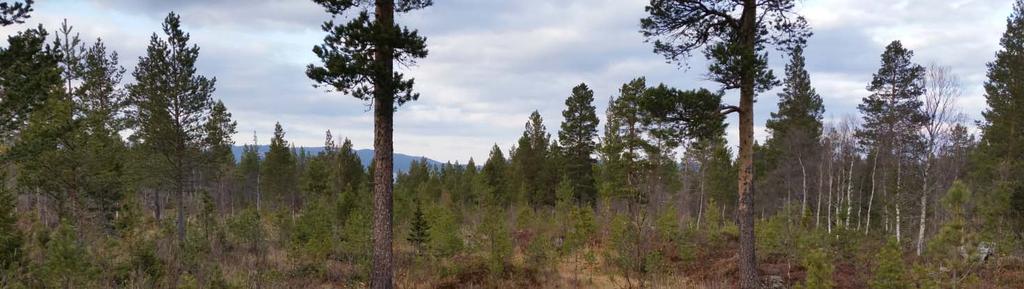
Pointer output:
134, 179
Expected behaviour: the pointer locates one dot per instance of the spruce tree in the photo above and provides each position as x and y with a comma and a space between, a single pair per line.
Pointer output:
419, 233
733, 35
577, 137
1000, 155
171, 105
796, 127
279, 179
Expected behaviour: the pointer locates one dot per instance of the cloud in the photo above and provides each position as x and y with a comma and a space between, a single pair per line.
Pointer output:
491, 63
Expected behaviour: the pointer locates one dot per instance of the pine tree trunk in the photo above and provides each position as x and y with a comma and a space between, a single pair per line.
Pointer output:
745, 206
383, 114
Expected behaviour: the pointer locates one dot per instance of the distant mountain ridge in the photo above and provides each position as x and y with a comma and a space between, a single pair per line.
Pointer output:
402, 161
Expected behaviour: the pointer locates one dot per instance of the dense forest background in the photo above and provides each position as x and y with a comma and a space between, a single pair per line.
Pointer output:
134, 181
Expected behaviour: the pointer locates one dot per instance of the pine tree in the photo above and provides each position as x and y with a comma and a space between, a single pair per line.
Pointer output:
11, 238
15, 13
951, 246
733, 36
577, 134
1000, 155
529, 161
494, 178
889, 271
819, 270
892, 117
350, 173
29, 75
419, 233
359, 58
623, 144
171, 105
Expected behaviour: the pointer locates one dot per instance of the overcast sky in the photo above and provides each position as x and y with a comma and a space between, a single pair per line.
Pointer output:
492, 62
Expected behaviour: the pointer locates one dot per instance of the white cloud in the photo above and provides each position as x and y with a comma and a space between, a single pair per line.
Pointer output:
493, 62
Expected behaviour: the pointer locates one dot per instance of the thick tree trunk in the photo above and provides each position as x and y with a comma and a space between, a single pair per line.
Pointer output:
383, 114
745, 206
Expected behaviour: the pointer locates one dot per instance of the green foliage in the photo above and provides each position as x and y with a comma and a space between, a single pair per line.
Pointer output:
625, 251
28, 76
889, 271
348, 51
892, 111
246, 228
819, 268
11, 238
953, 246
1000, 157
582, 229
356, 246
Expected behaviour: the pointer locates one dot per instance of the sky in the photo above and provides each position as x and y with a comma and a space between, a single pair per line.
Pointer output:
492, 62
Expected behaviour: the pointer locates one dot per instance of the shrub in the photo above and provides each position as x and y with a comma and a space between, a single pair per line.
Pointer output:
889, 272
819, 268
445, 239
499, 242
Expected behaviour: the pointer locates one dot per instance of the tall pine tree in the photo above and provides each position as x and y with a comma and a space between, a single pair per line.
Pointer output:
172, 103
733, 35
577, 137
358, 59
892, 117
